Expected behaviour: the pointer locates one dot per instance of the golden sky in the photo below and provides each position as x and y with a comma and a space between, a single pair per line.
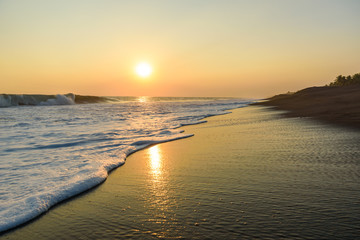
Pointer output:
254, 48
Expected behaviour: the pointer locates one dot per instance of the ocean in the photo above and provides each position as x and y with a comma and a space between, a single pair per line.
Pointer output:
54, 147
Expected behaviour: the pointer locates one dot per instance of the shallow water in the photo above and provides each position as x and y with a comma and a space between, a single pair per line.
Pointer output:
51, 153
246, 175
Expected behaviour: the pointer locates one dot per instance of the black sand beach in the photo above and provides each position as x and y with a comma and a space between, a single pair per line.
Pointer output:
249, 174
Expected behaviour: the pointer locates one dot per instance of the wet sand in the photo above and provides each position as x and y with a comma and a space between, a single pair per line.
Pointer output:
336, 105
247, 175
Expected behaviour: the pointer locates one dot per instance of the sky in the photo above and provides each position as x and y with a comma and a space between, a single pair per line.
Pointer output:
254, 48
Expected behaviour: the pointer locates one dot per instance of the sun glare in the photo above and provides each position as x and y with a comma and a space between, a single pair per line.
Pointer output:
155, 160
143, 69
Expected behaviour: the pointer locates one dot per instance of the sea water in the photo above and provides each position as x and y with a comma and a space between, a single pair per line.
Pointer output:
53, 147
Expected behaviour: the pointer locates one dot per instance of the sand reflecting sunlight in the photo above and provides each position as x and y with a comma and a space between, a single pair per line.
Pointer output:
155, 161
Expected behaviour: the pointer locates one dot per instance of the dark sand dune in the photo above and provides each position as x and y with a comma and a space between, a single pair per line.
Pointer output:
338, 105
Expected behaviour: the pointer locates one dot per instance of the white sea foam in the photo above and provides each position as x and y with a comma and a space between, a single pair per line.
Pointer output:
49, 154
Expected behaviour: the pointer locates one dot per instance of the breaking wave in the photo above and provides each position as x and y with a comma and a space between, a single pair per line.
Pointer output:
9, 100
48, 155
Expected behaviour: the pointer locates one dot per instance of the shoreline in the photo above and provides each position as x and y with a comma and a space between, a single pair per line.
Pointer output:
92, 188
333, 105
231, 179
73, 197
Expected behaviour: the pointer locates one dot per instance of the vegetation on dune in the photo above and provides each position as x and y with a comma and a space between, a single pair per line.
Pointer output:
345, 81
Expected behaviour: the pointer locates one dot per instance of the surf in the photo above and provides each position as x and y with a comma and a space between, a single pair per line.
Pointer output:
50, 154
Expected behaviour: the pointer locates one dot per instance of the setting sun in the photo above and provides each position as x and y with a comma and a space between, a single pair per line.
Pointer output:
143, 69
91, 86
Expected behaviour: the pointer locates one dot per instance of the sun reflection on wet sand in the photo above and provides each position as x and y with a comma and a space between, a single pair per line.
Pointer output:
155, 160
161, 204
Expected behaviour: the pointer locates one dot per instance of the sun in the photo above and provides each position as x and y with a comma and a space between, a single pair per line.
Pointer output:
143, 69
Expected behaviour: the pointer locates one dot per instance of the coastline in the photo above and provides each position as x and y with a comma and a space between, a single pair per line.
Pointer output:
334, 105
233, 178
90, 145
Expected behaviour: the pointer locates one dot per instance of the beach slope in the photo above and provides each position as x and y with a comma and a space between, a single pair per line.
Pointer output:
338, 105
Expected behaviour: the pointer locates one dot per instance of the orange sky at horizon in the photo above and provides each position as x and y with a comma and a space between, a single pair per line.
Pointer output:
205, 48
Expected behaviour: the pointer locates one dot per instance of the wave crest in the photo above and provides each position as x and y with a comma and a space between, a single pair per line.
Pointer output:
9, 100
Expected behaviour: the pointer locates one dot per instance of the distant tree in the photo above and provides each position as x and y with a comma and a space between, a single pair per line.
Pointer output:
339, 81
348, 80
356, 78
